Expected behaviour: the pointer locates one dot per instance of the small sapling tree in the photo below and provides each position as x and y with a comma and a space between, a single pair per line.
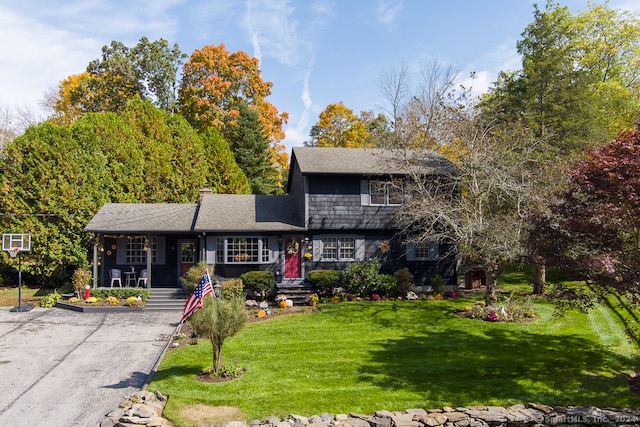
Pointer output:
217, 320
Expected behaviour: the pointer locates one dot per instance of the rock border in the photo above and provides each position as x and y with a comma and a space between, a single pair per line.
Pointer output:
145, 409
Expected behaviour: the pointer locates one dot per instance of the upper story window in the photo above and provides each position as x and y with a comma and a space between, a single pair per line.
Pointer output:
383, 192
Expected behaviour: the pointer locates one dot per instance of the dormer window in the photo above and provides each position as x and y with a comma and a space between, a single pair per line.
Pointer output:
383, 193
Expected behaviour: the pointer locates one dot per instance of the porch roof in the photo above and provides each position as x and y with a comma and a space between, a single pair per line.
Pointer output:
143, 218
247, 212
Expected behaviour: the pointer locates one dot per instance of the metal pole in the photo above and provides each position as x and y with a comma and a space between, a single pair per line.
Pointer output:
19, 282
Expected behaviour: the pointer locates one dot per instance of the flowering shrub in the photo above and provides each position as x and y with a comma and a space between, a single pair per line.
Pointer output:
91, 300
450, 294
73, 300
511, 309
133, 301
375, 297
112, 300
438, 297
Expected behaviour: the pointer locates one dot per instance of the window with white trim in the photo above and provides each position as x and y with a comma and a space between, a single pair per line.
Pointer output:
243, 250
426, 251
383, 193
136, 250
338, 248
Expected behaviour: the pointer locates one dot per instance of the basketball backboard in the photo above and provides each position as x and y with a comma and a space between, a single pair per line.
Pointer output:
19, 241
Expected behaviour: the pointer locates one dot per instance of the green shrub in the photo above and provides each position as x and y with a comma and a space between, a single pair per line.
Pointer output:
325, 280
405, 281
80, 279
437, 285
231, 288
120, 293
194, 276
362, 278
260, 282
50, 300
388, 285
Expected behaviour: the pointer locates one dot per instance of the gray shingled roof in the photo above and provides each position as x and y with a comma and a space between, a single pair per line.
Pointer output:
143, 217
369, 161
247, 212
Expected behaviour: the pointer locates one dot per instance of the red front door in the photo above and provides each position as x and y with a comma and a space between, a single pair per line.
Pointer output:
292, 258
187, 255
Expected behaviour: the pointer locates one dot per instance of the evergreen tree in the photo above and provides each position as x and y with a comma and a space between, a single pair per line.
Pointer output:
250, 147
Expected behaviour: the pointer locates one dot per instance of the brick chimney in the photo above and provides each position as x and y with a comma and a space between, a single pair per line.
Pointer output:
204, 191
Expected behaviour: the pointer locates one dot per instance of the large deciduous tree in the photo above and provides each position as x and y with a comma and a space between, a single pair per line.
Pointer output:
593, 227
579, 82
339, 126
481, 207
148, 70
216, 83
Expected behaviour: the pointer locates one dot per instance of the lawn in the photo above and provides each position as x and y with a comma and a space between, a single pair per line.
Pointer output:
9, 296
365, 356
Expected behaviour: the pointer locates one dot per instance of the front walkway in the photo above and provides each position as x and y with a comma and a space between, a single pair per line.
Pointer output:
63, 368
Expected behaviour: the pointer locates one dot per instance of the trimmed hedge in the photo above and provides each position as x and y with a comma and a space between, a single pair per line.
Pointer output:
258, 281
325, 280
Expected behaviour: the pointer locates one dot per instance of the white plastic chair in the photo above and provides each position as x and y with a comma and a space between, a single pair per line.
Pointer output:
116, 275
143, 278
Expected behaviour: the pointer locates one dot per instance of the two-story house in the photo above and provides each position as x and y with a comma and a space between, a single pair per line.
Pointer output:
340, 208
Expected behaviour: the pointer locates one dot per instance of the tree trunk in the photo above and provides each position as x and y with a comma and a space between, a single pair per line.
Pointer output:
217, 355
539, 277
491, 298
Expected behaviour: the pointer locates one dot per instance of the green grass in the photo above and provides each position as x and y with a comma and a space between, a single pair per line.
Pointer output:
366, 356
9, 295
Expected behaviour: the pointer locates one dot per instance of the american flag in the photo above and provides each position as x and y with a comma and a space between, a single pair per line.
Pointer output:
194, 303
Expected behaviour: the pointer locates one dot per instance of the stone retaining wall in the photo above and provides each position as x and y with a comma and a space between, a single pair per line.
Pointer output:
145, 409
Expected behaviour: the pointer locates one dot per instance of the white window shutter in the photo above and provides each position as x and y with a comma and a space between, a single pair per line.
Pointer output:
211, 250
364, 193
317, 248
360, 248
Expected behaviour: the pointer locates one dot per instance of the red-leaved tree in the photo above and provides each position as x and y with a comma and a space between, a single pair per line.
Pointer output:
594, 226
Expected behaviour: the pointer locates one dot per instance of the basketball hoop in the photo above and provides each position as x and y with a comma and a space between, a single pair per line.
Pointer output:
13, 252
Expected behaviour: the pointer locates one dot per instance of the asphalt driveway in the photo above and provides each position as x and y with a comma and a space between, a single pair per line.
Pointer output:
63, 368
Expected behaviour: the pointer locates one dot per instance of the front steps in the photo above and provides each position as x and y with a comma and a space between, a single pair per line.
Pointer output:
296, 292
166, 299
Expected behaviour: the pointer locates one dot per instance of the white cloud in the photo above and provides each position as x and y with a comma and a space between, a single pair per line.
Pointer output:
36, 57
387, 11
271, 30
297, 135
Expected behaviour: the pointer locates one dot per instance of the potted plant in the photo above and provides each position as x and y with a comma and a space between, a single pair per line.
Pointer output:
312, 299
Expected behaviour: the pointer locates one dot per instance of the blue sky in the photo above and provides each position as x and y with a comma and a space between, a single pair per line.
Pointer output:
315, 52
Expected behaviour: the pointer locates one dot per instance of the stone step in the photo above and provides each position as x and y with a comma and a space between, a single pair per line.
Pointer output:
166, 299
297, 293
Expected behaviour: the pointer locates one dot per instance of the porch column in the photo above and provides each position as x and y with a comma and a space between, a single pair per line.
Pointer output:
95, 262
149, 261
